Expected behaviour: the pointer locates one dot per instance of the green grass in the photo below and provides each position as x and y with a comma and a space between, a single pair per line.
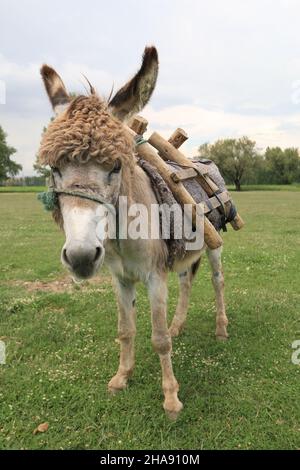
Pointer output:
22, 189
268, 187
61, 349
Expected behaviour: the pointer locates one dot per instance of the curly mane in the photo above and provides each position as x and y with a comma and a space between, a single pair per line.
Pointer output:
84, 131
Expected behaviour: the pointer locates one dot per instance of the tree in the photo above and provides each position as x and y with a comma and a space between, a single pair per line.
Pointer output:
291, 165
283, 166
41, 170
235, 157
8, 167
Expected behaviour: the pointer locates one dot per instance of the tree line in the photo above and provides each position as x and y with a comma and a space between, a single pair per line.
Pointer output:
241, 163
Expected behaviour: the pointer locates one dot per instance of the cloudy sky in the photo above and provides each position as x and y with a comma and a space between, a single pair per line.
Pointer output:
227, 68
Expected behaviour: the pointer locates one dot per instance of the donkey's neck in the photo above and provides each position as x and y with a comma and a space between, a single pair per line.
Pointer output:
136, 258
136, 187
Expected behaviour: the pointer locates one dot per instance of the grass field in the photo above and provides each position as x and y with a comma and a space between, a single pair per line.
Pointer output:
22, 189
61, 349
249, 187
268, 187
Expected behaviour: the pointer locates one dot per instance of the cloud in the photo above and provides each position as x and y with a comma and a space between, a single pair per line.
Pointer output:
203, 125
26, 109
24, 89
225, 70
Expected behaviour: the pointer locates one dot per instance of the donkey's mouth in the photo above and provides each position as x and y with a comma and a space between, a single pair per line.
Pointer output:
83, 272
83, 264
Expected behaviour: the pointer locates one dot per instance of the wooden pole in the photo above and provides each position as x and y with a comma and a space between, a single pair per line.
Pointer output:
171, 153
146, 151
237, 223
138, 124
167, 150
178, 138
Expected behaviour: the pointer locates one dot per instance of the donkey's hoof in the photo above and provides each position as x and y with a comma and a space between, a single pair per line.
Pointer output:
221, 332
173, 410
222, 337
117, 384
172, 415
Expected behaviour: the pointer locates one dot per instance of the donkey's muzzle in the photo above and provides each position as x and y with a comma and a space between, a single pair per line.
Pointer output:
82, 261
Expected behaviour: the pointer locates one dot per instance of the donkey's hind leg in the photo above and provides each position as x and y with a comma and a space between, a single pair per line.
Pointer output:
215, 261
126, 330
185, 284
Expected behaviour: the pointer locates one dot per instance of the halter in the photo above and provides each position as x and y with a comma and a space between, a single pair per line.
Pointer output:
50, 198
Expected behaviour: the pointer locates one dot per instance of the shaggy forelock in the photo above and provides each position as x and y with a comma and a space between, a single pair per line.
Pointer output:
86, 130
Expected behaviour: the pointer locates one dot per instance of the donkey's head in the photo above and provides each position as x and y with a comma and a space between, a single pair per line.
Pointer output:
90, 151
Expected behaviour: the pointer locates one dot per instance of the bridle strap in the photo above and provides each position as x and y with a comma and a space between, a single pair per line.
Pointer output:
83, 195
91, 197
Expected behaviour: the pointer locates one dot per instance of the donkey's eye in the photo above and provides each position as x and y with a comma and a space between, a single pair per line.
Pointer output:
117, 167
56, 171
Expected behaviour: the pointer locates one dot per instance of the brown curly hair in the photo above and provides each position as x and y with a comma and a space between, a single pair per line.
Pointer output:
86, 130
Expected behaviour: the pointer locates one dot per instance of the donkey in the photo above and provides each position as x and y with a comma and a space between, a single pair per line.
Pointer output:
89, 148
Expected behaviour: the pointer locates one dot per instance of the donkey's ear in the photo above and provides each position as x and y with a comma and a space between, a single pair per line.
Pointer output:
55, 88
133, 96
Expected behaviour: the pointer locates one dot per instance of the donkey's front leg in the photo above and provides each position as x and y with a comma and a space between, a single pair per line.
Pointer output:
126, 333
162, 343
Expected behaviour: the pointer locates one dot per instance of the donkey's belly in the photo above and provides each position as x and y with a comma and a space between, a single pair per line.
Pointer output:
190, 258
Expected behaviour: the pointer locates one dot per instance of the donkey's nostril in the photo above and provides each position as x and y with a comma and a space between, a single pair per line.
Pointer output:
98, 253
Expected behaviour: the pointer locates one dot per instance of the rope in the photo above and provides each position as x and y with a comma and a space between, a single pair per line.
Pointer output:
50, 199
222, 211
83, 195
139, 140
